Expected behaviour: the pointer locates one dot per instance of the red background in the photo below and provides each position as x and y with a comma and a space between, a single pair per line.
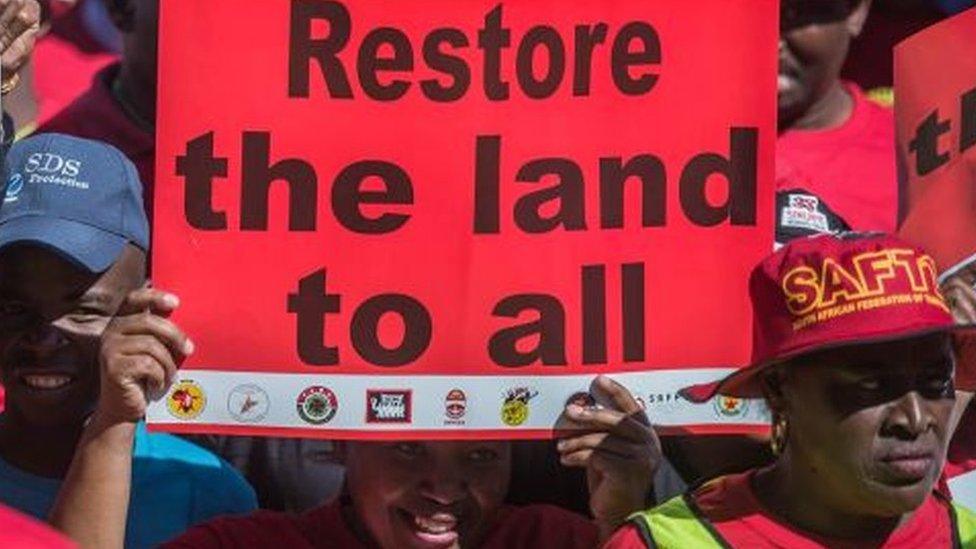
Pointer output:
223, 68
932, 70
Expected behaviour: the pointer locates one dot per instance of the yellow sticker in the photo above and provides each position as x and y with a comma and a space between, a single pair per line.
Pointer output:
515, 409
187, 400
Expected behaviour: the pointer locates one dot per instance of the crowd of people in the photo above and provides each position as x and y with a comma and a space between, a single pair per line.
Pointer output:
870, 402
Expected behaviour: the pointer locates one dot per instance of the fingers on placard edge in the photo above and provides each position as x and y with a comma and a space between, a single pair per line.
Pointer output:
625, 426
166, 331
148, 299
580, 458
620, 396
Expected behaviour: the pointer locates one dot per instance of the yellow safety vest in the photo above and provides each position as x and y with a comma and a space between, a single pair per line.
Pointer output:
678, 524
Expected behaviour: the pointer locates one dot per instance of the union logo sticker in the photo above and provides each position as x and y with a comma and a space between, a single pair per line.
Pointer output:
728, 406
515, 408
248, 403
455, 407
186, 400
317, 405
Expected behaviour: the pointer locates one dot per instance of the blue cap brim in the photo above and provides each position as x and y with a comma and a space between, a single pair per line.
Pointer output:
93, 249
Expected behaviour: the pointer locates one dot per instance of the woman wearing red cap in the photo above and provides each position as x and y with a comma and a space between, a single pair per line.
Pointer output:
853, 352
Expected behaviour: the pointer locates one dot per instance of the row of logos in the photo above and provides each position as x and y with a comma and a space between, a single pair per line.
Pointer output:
317, 405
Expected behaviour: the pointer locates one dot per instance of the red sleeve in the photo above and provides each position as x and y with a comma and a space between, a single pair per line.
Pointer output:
201, 537
627, 537
958, 288
258, 530
541, 526
961, 457
17, 530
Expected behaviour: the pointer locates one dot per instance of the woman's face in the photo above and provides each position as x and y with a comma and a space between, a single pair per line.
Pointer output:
427, 495
814, 38
870, 422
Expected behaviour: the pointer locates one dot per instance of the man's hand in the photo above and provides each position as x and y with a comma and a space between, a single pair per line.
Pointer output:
618, 448
141, 350
960, 295
20, 21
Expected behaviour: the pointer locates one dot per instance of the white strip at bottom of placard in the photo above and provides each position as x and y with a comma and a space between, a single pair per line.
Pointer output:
300, 404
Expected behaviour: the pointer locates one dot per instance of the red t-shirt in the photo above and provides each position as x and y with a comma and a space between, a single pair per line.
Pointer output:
531, 527
730, 504
962, 449
22, 532
843, 178
64, 60
97, 115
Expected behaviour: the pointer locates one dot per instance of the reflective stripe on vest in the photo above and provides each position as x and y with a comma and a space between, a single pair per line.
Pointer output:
676, 524
964, 526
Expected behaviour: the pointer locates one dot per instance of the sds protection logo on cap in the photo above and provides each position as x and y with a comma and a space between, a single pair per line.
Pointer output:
15, 184
187, 400
54, 169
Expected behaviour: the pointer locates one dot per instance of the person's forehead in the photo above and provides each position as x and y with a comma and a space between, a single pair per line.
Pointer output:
812, 12
817, 5
126, 272
29, 262
891, 356
28, 266
444, 449
446, 445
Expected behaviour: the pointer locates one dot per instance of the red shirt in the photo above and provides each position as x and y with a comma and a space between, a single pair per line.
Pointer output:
962, 449
848, 172
730, 504
64, 61
961, 459
531, 527
97, 115
19, 531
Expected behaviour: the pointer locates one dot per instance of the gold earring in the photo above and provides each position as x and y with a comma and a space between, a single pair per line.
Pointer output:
777, 440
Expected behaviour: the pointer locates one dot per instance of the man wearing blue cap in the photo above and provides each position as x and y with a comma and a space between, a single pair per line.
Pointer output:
73, 241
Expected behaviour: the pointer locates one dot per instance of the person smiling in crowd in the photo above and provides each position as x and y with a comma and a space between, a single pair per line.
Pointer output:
835, 163
430, 494
73, 239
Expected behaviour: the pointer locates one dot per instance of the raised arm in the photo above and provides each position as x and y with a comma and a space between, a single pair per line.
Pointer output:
619, 450
139, 355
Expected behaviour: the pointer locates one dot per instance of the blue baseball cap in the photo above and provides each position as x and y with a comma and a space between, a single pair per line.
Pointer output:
80, 198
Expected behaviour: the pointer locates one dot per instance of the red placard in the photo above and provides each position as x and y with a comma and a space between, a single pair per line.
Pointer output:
935, 107
442, 219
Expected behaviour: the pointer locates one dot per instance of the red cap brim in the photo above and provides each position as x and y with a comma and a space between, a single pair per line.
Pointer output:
744, 383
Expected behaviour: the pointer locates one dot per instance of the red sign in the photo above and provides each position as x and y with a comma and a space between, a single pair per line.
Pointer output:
935, 91
486, 198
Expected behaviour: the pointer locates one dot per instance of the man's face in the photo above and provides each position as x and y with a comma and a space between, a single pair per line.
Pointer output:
427, 494
814, 39
872, 421
146, 26
52, 314
138, 20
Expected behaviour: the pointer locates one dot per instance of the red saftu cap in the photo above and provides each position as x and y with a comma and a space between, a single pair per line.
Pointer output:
830, 291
